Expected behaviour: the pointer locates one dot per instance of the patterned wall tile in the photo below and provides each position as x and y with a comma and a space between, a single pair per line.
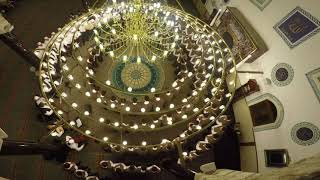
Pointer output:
282, 74
305, 133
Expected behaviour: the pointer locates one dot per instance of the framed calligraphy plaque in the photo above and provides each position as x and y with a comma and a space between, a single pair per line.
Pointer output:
314, 79
297, 27
242, 39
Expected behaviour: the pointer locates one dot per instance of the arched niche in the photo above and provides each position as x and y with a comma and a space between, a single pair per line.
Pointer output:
275, 108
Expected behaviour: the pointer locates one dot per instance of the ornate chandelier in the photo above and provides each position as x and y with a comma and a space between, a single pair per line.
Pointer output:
140, 76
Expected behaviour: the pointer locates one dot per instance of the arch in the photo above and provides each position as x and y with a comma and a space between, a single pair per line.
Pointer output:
279, 107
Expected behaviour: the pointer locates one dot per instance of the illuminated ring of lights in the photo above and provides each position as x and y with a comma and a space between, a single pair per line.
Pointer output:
196, 23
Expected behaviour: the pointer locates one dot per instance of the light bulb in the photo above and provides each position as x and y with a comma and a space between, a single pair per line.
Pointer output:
79, 58
101, 120
144, 143
138, 60
108, 82
78, 86
105, 139
63, 94
88, 132
111, 53
135, 126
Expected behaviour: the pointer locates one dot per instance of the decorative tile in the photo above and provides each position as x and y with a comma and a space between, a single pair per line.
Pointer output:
297, 26
305, 133
314, 79
261, 4
282, 74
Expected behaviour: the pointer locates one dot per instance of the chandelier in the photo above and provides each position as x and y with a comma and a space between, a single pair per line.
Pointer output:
140, 76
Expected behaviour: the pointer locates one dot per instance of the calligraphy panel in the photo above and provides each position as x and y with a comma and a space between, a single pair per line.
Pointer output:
297, 27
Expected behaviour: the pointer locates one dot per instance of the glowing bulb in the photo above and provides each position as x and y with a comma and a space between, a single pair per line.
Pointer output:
125, 58
171, 106
157, 109
152, 126
143, 110
198, 127
88, 132
99, 100
116, 124
113, 31
184, 116
86, 113
74, 105
108, 82
174, 84
78, 86
101, 120
72, 123
88, 94
164, 141
112, 105
63, 94
65, 67
135, 126
144, 143
129, 89
124, 143
127, 108
111, 53
138, 60
153, 89
79, 58
105, 139
184, 153
60, 112
182, 135
153, 58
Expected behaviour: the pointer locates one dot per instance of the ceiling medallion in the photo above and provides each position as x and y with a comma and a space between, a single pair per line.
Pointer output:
282, 74
305, 133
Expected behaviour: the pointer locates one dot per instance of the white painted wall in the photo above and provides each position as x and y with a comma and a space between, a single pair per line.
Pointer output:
299, 101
